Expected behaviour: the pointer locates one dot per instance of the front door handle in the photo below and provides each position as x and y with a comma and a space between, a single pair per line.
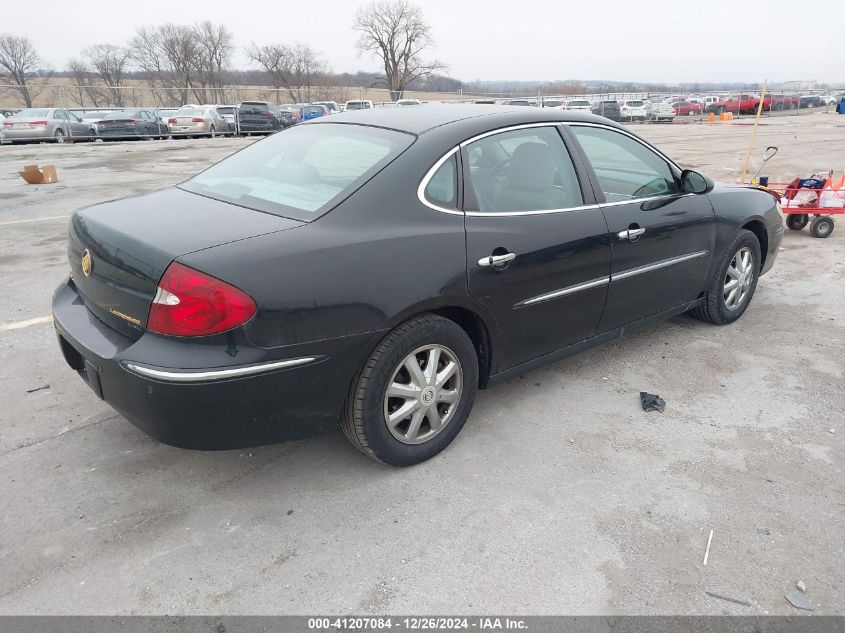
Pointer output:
496, 260
630, 234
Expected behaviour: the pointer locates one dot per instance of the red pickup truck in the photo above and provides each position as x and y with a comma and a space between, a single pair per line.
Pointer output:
739, 104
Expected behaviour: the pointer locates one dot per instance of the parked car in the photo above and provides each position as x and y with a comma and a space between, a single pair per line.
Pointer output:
229, 113
687, 108
289, 115
131, 124
578, 104
313, 111
517, 102
633, 110
46, 124
331, 106
739, 104
259, 117
810, 101
552, 103
408, 102
608, 109
198, 121
267, 298
357, 105
660, 111
92, 118
783, 102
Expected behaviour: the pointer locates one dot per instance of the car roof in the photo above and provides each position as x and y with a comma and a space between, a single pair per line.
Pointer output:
430, 116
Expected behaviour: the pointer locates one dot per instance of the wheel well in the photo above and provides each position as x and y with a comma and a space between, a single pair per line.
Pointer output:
759, 229
475, 328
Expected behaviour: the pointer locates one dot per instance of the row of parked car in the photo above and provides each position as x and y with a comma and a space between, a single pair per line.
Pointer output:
249, 117
667, 108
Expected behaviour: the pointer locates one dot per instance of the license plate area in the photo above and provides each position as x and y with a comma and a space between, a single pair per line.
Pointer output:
87, 370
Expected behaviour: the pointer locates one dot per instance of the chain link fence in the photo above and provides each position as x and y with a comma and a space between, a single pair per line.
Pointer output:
69, 111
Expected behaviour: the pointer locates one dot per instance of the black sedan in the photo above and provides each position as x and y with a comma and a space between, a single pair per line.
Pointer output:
131, 124
374, 270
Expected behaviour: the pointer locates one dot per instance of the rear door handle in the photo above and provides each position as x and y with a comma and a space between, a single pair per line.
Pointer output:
630, 234
496, 260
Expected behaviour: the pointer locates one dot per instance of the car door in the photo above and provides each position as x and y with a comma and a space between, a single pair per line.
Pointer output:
662, 239
538, 252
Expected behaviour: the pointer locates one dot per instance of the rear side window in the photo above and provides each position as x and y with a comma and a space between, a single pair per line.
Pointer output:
442, 188
303, 171
626, 169
522, 170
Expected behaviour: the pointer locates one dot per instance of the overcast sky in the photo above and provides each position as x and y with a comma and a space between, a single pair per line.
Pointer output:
623, 40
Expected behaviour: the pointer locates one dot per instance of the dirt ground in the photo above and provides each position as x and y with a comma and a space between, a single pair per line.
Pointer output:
560, 495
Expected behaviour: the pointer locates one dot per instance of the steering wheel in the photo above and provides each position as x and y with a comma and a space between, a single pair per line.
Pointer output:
495, 182
656, 186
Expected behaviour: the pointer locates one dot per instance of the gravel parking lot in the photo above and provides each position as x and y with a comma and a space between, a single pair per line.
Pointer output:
560, 496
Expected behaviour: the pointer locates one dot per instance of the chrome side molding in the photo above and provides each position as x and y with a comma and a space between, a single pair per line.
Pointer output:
205, 375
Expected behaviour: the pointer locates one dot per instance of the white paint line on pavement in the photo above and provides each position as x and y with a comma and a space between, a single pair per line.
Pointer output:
52, 217
22, 324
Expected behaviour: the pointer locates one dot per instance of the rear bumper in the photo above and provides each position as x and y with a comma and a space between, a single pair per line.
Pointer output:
210, 394
28, 134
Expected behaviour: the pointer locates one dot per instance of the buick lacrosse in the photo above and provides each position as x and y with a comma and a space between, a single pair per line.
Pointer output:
372, 270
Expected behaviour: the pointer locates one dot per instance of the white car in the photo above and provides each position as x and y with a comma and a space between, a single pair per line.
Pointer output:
660, 111
633, 110
577, 104
357, 105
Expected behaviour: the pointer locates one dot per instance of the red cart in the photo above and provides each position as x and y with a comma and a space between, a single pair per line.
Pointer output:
799, 204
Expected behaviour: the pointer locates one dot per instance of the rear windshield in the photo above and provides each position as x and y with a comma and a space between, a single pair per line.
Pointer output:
122, 115
356, 105
312, 110
580, 102
226, 110
302, 172
92, 115
31, 112
190, 111
552, 104
254, 107
635, 104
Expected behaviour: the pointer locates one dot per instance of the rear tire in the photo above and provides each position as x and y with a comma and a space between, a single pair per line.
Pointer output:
796, 221
822, 226
372, 419
212, 133
715, 308
59, 136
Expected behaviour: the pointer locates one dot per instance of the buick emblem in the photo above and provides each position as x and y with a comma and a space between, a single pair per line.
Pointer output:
87, 263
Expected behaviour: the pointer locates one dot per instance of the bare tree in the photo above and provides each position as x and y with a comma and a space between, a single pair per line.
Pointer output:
297, 69
397, 34
83, 81
213, 56
110, 63
167, 56
273, 59
18, 62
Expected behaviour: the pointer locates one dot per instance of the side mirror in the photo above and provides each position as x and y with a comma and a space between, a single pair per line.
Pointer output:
694, 182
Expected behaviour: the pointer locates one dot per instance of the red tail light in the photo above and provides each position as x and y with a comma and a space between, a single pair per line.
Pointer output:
197, 119
191, 303
7, 124
38, 123
171, 121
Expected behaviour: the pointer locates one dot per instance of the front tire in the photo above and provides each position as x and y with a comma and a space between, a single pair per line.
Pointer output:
733, 285
414, 393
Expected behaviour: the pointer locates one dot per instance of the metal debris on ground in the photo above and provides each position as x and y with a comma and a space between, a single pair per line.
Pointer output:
652, 402
38, 389
800, 586
799, 600
719, 596
764, 531
707, 551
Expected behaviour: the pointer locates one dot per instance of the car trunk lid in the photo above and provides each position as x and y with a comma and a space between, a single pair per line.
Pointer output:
129, 243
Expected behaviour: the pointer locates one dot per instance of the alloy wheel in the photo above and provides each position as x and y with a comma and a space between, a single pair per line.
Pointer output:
739, 277
423, 394
59, 136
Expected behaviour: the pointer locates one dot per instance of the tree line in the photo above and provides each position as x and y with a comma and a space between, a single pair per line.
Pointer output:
182, 63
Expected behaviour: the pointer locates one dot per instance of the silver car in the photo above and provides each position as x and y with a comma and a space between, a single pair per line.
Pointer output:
197, 121
46, 124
